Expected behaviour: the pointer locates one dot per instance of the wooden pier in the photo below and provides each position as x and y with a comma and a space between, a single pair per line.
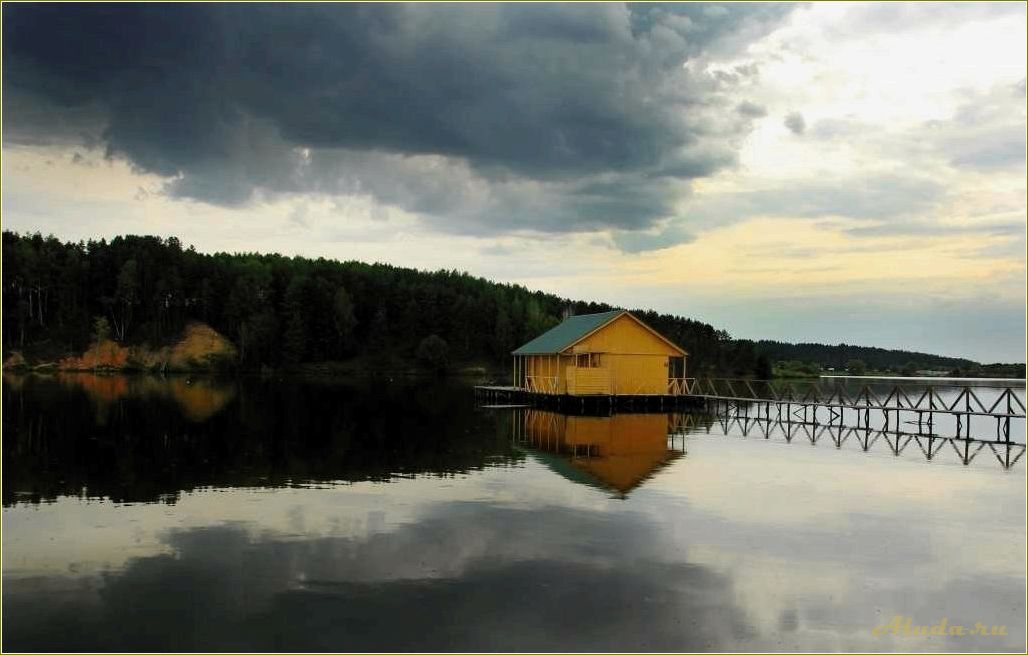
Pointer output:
819, 403
825, 403
494, 395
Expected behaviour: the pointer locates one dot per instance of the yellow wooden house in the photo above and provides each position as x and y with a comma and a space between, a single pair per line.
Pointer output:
611, 353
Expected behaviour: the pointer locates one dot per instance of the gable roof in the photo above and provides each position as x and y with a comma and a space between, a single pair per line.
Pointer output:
558, 338
575, 328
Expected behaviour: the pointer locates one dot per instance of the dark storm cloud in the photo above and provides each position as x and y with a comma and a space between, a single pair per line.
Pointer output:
575, 102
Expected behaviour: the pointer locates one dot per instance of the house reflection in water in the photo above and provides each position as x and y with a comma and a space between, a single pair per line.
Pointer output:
616, 453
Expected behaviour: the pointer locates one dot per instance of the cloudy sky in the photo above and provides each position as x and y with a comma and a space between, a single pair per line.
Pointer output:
831, 172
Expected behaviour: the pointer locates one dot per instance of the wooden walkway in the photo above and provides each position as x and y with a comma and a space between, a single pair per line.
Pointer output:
826, 402
821, 402
494, 395
835, 394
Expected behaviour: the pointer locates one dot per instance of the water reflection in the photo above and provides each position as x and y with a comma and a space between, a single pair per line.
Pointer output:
430, 585
617, 452
318, 516
140, 438
863, 439
197, 399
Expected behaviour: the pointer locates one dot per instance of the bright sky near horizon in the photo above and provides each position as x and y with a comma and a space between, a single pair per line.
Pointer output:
828, 172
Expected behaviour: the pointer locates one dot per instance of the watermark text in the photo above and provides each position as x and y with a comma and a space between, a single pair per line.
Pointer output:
903, 626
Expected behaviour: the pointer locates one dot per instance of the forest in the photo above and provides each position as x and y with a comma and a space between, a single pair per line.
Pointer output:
809, 358
283, 312
289, 312
838, 356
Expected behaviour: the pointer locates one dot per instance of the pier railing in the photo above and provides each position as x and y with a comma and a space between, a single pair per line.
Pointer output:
819, 401
680, 386
1007, 404
542, 384
895, 403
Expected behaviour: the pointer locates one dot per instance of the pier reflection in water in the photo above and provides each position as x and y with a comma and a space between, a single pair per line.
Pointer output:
619, 452
862, 438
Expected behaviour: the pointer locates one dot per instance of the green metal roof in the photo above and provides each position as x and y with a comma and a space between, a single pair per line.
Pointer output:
573, 328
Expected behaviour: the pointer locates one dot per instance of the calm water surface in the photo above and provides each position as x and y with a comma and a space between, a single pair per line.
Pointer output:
168, 515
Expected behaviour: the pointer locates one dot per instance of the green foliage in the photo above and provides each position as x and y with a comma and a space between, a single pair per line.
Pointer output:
796, 369
503, 334
839, 356
294, 341
763, 368
101, 329
856, 367
343, 318
280, 311
990, 371
434, 354
378, 338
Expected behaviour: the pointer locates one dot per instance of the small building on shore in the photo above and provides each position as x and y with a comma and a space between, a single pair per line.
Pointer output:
610, 353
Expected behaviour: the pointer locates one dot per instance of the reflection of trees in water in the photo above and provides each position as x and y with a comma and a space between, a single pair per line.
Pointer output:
131, 439
467, 577
198, 399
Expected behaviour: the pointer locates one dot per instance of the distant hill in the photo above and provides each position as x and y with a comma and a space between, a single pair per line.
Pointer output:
881, 359
837, 356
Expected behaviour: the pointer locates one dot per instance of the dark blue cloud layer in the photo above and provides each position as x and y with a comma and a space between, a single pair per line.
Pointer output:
587, 99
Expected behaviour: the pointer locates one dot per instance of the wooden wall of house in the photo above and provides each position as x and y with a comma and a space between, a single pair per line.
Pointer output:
637, 375
633, 361
636, 359
625, 336
589, 381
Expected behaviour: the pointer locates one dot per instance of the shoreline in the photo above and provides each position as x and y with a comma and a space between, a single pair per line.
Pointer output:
343, 370
922, 377
303, 371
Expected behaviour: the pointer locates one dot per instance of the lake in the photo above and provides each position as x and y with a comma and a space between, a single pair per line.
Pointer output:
182, 514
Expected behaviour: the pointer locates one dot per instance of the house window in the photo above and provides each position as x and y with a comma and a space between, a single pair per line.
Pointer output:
588, 360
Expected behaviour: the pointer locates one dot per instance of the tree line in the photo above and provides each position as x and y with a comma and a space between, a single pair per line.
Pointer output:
285, 311
59, 297
838, 356
813, 357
